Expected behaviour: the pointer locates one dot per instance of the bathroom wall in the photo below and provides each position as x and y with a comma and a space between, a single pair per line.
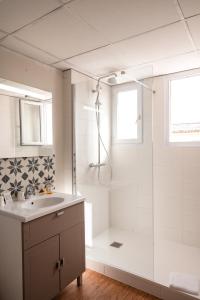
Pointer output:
95, 190
131, 206
17, 173
21, 69
176, 179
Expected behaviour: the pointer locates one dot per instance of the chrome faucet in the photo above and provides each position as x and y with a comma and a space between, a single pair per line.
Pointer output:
30, 191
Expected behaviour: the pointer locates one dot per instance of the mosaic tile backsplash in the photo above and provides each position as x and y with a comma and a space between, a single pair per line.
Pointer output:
17, 173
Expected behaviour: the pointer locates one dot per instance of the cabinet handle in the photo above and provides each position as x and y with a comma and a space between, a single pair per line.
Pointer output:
58, 265
60, 213
62, 262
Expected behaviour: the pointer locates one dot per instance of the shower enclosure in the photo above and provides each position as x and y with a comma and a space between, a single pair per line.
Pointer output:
138, 214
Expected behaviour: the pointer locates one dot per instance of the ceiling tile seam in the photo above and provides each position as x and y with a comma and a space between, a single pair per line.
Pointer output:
165, 58
193, 16
113, 43
82, 53
27, 56
4, 37
94, 76
131, 36
172, 73
76, 14
145, 32
34, 47
35, 20
160, 60
63, 4
5, 32
187, 29
126, 39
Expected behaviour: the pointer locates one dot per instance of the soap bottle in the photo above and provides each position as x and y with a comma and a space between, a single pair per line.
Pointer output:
2, 201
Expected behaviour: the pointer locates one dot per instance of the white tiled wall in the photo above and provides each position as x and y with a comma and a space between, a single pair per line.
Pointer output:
95, 190
176, 179
131, 190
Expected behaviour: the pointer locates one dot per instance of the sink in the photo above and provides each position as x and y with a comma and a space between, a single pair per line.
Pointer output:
42, 203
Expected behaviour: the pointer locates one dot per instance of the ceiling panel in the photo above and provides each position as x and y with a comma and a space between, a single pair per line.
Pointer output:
176, 64
119, 19
194, 25
62, 34
17, 13
143, 71
161, 43
2, 34
19, 46
190, 7
98, 62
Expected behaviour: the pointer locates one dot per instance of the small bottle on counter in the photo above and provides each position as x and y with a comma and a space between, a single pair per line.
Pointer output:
49, 188
2, 201
20, 196
7, 197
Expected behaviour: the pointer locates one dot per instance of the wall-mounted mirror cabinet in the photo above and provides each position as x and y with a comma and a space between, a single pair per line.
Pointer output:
25, 121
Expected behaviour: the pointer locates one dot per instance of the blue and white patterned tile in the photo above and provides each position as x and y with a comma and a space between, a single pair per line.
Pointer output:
17, 173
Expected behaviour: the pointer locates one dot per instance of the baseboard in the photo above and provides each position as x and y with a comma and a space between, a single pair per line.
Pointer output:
148, 286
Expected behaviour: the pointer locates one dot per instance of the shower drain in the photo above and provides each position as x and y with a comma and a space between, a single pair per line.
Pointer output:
116, 244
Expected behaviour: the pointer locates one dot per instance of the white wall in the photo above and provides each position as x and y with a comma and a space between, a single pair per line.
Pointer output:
176, 179
131, 190
7, 126
23, 70
96, 192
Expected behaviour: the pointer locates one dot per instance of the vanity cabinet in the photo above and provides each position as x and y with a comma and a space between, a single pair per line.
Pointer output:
53, 252
41, 275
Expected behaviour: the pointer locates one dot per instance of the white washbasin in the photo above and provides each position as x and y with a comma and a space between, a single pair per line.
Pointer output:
41, 203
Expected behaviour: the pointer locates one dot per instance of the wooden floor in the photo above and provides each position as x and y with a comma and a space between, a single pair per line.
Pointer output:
99, 287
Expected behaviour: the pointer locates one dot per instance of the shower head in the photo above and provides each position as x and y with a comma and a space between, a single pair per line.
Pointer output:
112, 79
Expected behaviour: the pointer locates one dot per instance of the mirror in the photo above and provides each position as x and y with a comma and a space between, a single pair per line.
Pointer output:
25, 125
35, 122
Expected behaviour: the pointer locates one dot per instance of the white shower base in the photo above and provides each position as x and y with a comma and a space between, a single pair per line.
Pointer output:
135, 256
175, 257
138, 257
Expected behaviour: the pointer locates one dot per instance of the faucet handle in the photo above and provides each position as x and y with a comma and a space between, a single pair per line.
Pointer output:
7, 197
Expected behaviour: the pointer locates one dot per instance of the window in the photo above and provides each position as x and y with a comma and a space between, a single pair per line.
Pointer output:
184, 110
127, 113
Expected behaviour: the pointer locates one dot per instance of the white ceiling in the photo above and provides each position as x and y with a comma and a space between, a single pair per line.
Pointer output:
194, 26
121, 19
18, 13
2, 34
190, 7
101, 36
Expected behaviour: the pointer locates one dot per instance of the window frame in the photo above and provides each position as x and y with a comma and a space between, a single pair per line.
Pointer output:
168, 112
127, 87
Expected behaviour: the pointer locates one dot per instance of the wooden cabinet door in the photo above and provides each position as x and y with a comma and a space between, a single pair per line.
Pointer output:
41, 273
72, 254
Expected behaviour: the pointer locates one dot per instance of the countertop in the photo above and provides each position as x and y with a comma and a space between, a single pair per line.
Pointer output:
16, 209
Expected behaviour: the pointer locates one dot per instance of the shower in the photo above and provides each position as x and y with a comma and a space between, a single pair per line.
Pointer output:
98, 104
111, 79
144, 221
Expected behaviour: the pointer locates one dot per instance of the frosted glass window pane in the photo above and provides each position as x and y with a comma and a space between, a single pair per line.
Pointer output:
127, 114
185, 110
